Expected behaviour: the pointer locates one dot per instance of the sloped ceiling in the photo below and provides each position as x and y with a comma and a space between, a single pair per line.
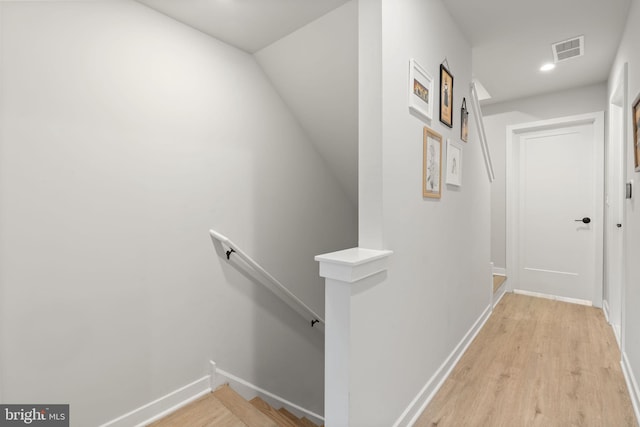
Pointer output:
249, 25
315, 70
309, 51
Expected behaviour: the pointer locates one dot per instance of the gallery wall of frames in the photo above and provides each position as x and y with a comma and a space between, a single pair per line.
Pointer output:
436, 155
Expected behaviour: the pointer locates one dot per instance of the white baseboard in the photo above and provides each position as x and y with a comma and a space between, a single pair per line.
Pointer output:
499, 271
183, 396
163, 406
632, 385
249, 391
618, 333
607, 316
500, 293
420, 402
553, 297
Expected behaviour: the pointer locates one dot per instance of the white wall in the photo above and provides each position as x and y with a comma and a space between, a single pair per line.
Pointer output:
125, 137
628, 53
438, 282
315, 70
496, 119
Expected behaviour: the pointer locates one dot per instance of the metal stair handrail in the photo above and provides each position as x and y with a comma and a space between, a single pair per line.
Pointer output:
269, 281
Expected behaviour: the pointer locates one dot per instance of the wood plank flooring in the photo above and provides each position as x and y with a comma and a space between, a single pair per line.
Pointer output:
207, 411
498, 281
536, 362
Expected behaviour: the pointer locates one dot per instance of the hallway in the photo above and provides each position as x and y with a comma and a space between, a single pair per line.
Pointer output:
536, 362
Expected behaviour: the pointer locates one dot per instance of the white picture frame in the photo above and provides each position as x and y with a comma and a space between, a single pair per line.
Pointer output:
420, 92
454, 163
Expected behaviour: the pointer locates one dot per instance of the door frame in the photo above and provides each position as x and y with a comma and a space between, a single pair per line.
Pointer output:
619, 100
513, 199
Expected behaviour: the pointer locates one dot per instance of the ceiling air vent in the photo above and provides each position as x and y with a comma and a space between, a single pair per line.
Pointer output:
567, 49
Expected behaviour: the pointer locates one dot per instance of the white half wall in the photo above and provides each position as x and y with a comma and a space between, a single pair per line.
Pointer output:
496, 119
438, 280
125, 137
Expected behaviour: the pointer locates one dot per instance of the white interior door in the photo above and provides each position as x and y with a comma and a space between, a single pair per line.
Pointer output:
556, 222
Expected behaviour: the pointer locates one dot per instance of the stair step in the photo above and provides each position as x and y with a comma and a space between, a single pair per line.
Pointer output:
207, 411
291, 417
306, 422
242, 409
276, 416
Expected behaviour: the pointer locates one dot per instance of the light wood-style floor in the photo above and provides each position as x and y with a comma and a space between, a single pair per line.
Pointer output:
497, 282
536, 362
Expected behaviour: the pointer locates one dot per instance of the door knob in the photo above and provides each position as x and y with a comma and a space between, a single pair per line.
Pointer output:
586, 220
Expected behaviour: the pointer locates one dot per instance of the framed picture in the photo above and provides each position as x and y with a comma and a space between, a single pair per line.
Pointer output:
636, 133
454, 163
464, 121
446, 96
431, 164
420, 91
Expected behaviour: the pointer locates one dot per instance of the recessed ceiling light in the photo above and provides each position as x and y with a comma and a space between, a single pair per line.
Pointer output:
548, 66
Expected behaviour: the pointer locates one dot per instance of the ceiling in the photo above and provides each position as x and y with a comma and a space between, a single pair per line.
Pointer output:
246, 24
511, 39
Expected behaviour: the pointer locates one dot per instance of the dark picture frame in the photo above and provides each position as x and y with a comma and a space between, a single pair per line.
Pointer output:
446, 96
464, 121
635, 120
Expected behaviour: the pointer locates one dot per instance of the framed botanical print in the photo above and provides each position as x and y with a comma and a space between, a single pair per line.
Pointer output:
420, 91
636, 133
431, 164
464, 121
446, 96
454, 163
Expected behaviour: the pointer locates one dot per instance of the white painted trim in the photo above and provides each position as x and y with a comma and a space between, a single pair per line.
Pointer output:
605, 310
616, 328
422, 399
249, 391
342, 270
477, 111
354, 264
500, 293
499, 271
163, 406
620, 97
632, 384
553, 297
618, 334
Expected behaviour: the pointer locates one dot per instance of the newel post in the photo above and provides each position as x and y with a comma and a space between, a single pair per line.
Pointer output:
342, 270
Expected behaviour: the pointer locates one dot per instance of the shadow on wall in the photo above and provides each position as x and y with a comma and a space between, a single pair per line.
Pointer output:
274, 327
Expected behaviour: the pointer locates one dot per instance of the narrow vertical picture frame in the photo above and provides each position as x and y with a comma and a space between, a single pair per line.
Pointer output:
420, 91
454, 163
464, 121
635, 120
446, 96
431, 164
